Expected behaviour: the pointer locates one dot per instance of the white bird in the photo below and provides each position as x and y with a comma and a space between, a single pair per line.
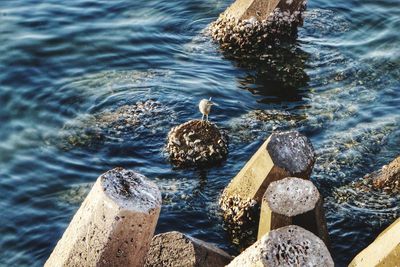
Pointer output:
205, 107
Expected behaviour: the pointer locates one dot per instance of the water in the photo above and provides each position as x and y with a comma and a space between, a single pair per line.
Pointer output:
62, 62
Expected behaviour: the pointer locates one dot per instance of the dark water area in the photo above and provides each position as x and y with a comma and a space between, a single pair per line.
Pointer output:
64, 61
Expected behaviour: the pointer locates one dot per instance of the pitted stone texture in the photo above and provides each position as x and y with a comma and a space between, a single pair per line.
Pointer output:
113, 226
292, 151
196, 143
286, 246
131, 190
292, 196
174, 249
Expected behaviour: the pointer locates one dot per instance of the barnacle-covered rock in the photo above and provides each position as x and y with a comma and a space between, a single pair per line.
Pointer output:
196, 143
250, 34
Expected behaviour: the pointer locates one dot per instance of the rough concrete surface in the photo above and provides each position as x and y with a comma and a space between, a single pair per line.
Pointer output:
113, 226
293, 152
384, 251
286, 246
293, 201
292, 196
174, 249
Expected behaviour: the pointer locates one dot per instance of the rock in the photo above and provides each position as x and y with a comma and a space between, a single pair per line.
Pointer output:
196, 143
94, 129
282, 155
389, 177
176, 249
384, 251
250, 26
113, 226
293, 201
385, 181
286, 246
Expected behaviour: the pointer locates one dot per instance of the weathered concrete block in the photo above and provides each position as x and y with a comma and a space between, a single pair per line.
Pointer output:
260, 9
293, 201
174, 249
113, 226
251, 25
282, 155
286, 246
384, 251
388, 179
196, 143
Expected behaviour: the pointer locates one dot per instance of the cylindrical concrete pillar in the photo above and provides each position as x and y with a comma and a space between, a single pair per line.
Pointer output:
293, 201
286, 246
114, 225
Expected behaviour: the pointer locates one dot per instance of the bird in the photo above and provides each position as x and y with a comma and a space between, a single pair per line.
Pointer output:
205, 107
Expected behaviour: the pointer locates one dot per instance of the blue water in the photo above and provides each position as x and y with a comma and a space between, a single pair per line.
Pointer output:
62, 61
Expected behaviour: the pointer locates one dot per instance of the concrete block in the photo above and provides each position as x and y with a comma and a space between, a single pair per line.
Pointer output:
282, 155
250, 26
286, 246
384, 251
293, 201
174, 249
113, 226
260, 9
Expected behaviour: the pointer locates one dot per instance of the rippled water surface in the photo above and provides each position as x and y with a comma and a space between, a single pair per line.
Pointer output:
65, 62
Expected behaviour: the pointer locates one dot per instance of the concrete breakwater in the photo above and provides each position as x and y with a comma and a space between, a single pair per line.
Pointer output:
286, 154
117, 219
116, 222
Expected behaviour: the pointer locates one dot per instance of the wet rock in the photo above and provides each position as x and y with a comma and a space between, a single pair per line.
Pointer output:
385, 180
196, 143
286, 246
114, 225
248, 27
176, 249
376, 195
388, 179
274, 115
94, 129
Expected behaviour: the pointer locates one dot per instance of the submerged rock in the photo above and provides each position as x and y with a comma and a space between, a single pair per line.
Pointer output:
376, 194
385, 180
93, 129
196, 143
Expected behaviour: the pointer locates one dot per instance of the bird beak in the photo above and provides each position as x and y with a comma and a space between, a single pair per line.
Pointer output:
214, 104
